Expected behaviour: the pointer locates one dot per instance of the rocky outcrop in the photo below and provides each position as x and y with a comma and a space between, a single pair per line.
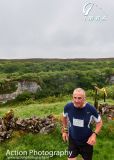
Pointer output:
22, 86
29, 86
111, 79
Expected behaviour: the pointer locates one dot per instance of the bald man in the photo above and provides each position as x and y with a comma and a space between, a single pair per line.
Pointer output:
77, 117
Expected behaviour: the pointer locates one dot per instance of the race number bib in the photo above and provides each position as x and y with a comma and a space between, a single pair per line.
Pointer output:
78, 122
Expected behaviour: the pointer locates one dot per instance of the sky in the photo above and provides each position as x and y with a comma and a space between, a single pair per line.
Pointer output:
56, 29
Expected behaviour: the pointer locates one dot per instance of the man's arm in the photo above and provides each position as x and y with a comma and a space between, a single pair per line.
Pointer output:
98, 127
65, 128
92, 138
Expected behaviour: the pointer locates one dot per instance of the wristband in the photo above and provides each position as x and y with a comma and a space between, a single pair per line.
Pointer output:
95, 133
65, 130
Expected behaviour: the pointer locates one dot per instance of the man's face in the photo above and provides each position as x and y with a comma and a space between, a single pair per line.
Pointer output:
79, 99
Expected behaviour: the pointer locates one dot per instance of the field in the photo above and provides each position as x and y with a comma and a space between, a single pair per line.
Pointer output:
23, 143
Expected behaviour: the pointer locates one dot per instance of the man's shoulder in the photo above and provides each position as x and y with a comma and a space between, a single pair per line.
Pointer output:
90, 107
69, 104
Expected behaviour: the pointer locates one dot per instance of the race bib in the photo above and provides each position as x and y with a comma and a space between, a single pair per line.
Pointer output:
78, 122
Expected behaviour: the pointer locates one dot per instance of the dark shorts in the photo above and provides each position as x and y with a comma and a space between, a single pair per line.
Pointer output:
86, 151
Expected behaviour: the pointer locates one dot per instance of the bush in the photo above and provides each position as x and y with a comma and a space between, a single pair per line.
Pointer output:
110, 91
24, 96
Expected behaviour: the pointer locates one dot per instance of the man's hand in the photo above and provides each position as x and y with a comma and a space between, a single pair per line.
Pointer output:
65, 136
92, 139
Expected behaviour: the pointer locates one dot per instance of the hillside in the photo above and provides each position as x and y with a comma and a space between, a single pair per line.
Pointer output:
55, 76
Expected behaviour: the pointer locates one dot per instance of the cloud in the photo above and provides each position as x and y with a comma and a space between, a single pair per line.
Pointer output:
48, 29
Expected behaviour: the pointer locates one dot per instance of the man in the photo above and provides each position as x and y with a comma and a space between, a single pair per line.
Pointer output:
77, 118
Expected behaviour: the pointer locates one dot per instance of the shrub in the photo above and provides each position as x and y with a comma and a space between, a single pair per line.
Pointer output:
24, 96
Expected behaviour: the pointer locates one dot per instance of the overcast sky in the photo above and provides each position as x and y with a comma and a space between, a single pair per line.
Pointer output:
56, 29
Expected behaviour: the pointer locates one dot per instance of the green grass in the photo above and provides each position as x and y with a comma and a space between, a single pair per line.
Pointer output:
34, 109
104, 150
22, 141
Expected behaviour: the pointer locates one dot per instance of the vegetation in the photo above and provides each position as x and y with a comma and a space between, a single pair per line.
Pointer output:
55, 76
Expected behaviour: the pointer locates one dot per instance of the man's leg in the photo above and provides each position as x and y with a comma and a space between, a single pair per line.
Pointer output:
72, 149
87, 152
